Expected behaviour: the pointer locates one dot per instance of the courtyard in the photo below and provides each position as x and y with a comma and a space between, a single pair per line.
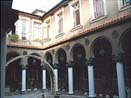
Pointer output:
77, 49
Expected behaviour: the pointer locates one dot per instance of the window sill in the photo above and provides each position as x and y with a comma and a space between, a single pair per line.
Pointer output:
59, 35
77, 27
125, 7
98, 19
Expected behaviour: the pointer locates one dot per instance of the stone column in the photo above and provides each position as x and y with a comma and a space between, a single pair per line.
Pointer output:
91, 78
2, 64
70, 79
120, 76
23, 80
56, 76
44, 77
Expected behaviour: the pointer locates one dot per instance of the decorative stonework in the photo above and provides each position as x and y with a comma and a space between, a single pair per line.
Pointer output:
43, 67
69, 64
87, 41
55, 66
53, 51
68, 47
23, 67
115, 34
25, 53
91, 61
118, 58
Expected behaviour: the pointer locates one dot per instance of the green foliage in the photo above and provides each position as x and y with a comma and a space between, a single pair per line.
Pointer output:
13, 37
37, 40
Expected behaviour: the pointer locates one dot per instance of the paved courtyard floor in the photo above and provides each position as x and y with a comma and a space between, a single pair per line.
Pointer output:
38, 94
28, 95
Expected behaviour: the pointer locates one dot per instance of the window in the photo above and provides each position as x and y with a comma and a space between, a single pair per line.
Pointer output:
98, 8
60, 23
37, 31
126, 2
23, 29
46, 34
76, 13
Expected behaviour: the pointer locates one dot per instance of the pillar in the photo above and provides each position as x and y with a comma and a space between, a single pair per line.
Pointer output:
23, 80
2, 64
56, 76
44, 77
70, 79
91, 78
120, 77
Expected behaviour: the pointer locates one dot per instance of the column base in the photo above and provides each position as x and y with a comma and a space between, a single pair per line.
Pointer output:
91, 96
44, 90
23, 92
56, 96
70, 93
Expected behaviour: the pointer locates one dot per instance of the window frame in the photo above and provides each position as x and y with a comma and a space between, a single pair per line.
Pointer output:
76, 8
35, 23
48, 26
93, 17
24, 29
73, 21
122, 6
60, 23
58, 16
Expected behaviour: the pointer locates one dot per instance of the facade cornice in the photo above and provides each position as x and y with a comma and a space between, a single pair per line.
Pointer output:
55, 8
29, 15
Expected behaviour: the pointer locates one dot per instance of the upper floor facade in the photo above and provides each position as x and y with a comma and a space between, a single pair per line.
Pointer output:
70, 19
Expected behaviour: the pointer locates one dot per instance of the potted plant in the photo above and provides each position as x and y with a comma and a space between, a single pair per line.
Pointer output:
13, 37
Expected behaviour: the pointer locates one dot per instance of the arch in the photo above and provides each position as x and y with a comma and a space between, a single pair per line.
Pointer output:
125, 38
104, 67
78, 54
34, 72
49, 58
47, 65
124, 44
101, 46
34, 61
13, 72
77, 48
11, 55
61, 53
62, 69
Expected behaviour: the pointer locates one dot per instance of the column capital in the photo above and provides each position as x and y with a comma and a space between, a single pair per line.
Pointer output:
43, 67
55, 66
69, 64
24, 67
118, 58
91, 61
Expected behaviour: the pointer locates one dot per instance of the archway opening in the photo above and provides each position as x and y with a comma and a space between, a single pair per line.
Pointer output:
79, 68
34, 73
62, 69
13, 73
49, 59
104, 69
125, 44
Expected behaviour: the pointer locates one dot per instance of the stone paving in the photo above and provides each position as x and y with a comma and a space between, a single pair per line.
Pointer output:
38, 94
28, 95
